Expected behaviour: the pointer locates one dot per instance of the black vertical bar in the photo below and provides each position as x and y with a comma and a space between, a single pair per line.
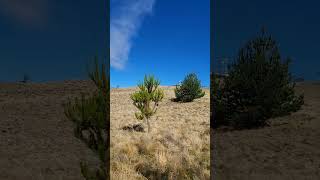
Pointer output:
108, 75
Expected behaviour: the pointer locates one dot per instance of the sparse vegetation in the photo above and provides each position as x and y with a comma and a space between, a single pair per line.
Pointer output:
189, 89
147, 99
91, 116
258, 87
159, 162
178, 147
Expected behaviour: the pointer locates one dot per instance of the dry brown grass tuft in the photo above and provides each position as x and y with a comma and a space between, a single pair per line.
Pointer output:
176, 148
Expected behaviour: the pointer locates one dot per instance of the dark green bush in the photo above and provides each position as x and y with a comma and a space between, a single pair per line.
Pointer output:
189, 89
258, 87
91, 117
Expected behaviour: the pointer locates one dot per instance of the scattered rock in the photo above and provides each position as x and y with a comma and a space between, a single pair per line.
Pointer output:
134, 127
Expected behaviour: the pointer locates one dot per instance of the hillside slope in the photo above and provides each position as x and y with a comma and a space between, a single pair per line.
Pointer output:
287, 150
36, 140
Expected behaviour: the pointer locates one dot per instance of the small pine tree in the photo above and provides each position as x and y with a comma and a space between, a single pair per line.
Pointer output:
91, 116
189, 89
147, 99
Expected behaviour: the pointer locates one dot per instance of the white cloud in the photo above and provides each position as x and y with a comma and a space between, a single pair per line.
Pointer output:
124, 25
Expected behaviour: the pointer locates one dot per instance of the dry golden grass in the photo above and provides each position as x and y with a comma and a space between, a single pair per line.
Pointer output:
178, 146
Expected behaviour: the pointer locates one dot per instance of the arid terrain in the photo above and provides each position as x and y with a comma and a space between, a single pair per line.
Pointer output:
176, 147
36, 139
289, 149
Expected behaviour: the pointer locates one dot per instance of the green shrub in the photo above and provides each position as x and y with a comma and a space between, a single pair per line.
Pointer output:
217, 102
147, 98
189, 89
258, 86
91, 117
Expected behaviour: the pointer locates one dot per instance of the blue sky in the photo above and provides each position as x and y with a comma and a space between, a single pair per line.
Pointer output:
166, 38
294, 24
51, 40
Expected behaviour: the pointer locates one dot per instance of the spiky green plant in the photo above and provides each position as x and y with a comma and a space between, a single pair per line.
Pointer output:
91, 117
189, 89
147, 99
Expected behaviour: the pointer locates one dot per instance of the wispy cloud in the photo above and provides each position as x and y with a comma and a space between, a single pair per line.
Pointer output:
126, 18
29, 12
